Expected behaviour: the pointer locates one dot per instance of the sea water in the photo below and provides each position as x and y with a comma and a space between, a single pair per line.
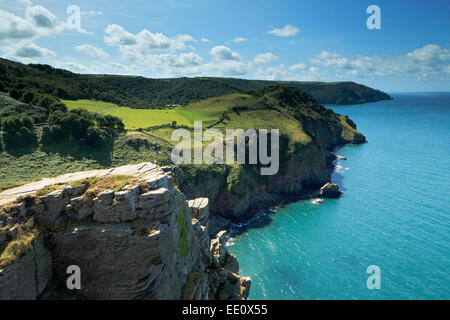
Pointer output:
394, 214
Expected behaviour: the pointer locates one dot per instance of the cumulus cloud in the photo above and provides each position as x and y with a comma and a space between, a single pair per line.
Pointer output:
331, 60
180, 61
273, 73
25, 51
92, 51
287, 31
204, 40
14, 27
297, 67
265, 58
40, 17
239, 40
224, 53
423, 62
116, 35
222, 68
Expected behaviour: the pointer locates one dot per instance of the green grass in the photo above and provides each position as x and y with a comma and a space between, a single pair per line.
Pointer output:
143, 118
208, 111
24, 166
90, 105
18, 247
212, 108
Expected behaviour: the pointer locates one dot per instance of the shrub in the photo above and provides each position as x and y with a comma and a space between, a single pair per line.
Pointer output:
51, 134
15, 94
18, 132
3, 88
28, 97
95, 137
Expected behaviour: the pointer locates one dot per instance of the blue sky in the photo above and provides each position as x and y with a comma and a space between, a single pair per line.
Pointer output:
282, 40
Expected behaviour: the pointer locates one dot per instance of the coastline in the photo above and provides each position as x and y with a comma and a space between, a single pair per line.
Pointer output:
237, 227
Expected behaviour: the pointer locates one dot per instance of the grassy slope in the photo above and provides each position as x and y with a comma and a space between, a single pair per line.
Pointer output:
90, 105
26, 165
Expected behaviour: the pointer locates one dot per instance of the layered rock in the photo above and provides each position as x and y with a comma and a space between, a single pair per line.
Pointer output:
145, 241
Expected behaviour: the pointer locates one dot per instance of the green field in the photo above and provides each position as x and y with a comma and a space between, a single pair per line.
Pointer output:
143, 118
90, 105
209, 111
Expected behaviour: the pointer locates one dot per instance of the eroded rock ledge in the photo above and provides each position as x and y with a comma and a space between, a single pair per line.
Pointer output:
142, 241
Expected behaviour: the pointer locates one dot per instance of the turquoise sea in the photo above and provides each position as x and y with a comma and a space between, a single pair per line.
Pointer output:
395, 213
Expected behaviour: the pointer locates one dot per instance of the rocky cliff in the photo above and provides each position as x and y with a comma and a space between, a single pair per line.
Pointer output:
131, 232
236, 192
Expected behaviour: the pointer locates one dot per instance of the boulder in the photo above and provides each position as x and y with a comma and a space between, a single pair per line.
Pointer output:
330, 190
218, 248
27, 278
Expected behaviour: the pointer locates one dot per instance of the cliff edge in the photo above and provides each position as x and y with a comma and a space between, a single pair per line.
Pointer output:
130, 231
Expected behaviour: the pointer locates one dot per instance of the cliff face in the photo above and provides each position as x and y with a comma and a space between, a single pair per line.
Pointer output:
236, 192
144, 241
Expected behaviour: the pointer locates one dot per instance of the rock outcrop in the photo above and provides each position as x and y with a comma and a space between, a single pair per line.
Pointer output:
143, 241
329, 190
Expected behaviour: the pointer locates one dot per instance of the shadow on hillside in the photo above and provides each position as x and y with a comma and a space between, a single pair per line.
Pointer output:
81, 152
17, 152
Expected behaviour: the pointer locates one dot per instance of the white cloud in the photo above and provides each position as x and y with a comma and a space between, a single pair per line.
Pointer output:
185, 38
40, 17
73, 66
26, 49
287, 31
265, 58
145, 40
180, 61
429, 60
204, 40
117, 36
92, 51
224, 53
222, 68
14, 27
239, 40
297, 67
331, 60
273, 73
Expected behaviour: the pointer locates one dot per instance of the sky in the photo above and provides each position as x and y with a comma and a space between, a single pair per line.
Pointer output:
409, 50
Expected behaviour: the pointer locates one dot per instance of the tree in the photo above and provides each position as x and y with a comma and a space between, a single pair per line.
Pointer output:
18, 132
3, 88
95, 137
15, 94
27, 97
